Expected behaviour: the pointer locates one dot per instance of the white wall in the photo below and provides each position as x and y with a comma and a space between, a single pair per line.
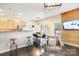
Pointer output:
50, 21
20, 37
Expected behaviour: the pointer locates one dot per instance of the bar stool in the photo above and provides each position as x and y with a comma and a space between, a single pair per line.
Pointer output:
28, 41
13, 47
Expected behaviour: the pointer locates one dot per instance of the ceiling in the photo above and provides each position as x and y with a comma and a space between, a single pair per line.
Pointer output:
32, 11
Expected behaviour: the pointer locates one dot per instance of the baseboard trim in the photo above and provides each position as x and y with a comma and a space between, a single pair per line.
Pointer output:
9, 49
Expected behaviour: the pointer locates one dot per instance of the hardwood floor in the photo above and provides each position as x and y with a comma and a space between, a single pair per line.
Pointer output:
25, 51
71, 50
35, 51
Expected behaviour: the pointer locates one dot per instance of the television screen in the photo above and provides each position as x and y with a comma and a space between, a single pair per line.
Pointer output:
71, 25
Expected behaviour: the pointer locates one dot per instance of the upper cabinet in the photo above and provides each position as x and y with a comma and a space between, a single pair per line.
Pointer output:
10, 24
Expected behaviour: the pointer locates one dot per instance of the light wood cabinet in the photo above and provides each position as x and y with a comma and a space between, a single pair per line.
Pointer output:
9, 24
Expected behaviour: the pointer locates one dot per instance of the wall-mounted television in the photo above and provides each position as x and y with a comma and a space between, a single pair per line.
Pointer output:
71, 25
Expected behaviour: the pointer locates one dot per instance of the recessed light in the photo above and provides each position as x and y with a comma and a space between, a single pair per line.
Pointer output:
19, 14
1, 14
1, 10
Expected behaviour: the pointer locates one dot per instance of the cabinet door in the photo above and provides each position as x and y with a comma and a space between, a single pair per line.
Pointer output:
10, 24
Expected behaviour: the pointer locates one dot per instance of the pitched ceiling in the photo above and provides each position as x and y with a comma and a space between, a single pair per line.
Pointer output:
32, 11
